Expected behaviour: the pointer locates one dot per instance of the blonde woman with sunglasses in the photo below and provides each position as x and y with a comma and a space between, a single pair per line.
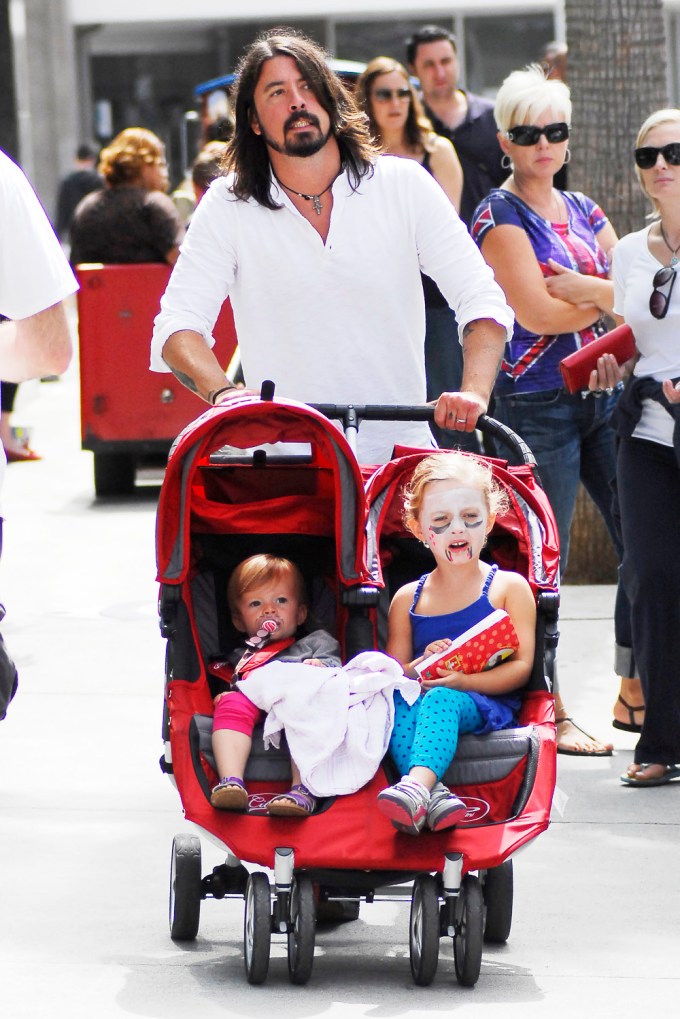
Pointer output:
549, 252
647, 297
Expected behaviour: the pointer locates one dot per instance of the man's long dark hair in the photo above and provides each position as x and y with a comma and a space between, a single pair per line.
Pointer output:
248, 157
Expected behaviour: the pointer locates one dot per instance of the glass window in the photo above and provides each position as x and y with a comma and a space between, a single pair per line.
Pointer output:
495, 46
364, 40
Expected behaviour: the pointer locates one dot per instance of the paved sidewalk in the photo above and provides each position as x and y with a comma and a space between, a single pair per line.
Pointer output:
87, 818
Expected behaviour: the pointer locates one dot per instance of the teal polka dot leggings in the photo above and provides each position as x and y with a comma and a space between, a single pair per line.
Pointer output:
426, 733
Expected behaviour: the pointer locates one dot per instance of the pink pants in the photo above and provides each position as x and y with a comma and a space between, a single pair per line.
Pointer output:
234, 711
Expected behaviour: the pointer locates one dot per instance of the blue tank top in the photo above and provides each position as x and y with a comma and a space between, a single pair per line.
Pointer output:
500, 712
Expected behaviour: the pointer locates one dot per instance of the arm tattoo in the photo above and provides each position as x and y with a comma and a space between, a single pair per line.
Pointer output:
186, 380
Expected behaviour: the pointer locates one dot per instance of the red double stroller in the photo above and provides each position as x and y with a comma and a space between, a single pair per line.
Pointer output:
277, 476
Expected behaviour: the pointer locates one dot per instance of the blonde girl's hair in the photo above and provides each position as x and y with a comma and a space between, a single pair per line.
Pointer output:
123, 160
667, 116
263, 569
459, 468
526, 94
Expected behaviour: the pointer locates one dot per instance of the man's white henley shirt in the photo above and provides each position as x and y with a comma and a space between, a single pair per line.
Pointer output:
335, 322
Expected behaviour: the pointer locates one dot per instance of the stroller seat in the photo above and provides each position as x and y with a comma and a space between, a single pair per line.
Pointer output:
480, 761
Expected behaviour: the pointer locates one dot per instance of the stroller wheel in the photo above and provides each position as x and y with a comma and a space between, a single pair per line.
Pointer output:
257, 928
497, 889
424, 929
469, 926
302, 932
185, 887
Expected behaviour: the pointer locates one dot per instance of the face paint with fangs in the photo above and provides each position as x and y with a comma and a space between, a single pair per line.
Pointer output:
454, 520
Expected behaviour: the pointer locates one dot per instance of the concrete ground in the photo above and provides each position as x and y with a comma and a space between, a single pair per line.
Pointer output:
87, 819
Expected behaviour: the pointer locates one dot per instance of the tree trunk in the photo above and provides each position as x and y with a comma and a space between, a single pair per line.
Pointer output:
617, 77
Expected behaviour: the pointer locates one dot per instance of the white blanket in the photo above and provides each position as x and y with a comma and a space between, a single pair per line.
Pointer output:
338, 722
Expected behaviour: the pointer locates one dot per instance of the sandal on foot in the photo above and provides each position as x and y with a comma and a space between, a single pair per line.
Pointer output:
301, 803
605, 752
672, 772
630, 725
229, 794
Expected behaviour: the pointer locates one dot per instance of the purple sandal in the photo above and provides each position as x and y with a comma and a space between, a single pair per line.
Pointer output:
301, 803
230, 794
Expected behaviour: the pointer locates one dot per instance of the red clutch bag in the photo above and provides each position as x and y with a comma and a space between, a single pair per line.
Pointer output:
576, 368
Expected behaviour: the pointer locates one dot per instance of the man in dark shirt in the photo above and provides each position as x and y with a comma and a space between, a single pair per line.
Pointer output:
83, 179
465, 119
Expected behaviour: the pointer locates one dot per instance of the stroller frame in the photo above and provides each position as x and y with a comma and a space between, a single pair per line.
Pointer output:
460, 882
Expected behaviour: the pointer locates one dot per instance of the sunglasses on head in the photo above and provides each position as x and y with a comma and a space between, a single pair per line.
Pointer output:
529, 134
647, 156
658, 302
383, 95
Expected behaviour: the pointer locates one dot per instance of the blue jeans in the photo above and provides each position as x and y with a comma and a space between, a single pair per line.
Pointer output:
444, 372
571, 440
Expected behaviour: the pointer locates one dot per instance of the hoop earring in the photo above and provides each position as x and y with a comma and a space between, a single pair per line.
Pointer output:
567, 157
506, 162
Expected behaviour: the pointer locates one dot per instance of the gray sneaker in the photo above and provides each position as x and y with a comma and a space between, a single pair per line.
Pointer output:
405, 804
445, 809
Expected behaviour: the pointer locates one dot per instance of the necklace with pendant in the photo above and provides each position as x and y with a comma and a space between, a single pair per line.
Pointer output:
674, 253
314, 199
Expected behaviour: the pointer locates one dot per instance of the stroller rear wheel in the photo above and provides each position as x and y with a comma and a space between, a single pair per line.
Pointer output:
185, 887
498, 893
469, 926
424, 929
257, 928
302, 931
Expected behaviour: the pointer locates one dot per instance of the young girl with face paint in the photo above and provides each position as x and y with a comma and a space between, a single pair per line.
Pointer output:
451, 504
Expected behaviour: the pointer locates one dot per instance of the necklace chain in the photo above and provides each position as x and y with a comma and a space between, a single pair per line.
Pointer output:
315, 199
674, 252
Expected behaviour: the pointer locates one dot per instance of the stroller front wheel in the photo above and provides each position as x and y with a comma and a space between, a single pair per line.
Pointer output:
302, 930
185, 887
469, 928
424, 930
257, 928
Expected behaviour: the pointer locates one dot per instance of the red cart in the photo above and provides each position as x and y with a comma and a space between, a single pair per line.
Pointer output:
129, 415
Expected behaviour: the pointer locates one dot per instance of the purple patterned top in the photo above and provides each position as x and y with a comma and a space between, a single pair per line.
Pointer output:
531, 362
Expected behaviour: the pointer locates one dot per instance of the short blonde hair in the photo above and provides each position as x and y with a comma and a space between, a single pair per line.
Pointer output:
454, 466
263, 569
123, 160
667, 116
525, 95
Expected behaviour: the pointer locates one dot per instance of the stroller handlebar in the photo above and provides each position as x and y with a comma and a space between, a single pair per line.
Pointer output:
352, 414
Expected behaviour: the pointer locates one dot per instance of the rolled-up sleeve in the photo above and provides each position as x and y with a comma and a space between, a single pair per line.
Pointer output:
448, 254
201, 279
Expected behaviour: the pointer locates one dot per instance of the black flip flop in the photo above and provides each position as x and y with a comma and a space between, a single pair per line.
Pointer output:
631, 725
671, 773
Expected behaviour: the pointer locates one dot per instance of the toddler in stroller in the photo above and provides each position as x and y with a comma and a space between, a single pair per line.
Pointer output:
450, 505
267, 600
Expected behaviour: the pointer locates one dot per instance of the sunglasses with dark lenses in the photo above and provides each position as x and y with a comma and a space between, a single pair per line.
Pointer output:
647, 156
529, 134
659, 301
383, 95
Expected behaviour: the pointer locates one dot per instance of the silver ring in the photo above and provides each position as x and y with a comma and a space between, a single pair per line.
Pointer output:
461, 421
609, 390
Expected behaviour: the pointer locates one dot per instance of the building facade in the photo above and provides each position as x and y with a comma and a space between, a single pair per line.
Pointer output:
85, 69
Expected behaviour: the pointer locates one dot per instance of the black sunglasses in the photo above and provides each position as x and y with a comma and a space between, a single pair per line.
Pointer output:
647, 156
383, 95
658, 302
529, 134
